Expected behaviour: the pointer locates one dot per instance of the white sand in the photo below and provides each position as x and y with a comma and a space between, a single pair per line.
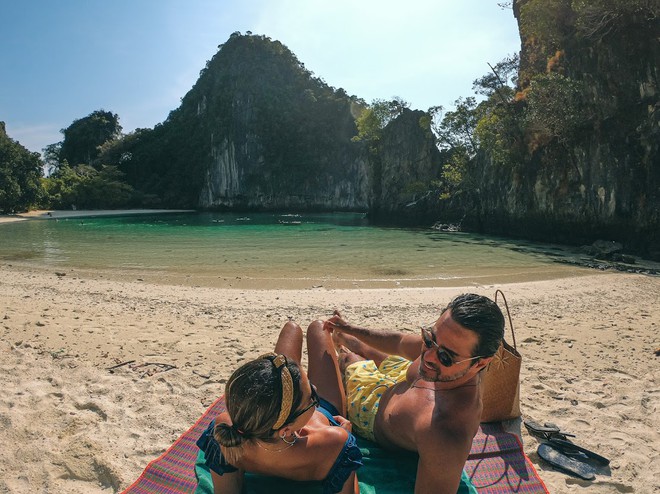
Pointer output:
68, 425
51, 214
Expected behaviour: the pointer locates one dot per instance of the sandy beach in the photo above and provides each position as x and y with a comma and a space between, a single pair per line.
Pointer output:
71, 424
53, 214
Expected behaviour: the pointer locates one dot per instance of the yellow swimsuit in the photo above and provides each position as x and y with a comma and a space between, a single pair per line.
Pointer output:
363, 389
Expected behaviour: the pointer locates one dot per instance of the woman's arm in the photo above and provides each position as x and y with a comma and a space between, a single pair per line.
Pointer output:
351, 485
228, 483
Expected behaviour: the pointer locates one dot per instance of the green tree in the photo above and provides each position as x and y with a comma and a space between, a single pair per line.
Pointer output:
557, 108
61, 187
84, 186
20, 173
456, 129
84, 137
501, 80
596, 19
375, 117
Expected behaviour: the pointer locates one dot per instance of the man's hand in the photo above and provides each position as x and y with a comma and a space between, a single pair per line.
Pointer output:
335, 322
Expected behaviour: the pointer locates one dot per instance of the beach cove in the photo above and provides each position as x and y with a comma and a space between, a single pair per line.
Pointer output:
71, 423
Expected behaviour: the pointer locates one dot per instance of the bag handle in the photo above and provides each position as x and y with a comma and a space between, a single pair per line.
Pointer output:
513, 334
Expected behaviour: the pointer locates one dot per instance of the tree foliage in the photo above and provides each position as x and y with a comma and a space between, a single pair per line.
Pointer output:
501, 79
20, 171
78, 175
597, 19
375, 117
556, 108
84, 137
492, 127
456, 129
85, 187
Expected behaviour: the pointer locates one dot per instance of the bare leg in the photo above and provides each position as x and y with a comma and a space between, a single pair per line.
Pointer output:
323, 368
346, 358
289, 342
358, 347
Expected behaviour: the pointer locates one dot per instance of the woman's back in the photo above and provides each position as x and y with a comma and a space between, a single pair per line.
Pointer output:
310, 458
276, 424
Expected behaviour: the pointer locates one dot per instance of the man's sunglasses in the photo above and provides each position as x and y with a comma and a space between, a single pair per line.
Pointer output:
314, 403
446, 360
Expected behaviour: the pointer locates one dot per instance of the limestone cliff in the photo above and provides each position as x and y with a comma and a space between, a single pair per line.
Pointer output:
258, 131
591, 163
406, 163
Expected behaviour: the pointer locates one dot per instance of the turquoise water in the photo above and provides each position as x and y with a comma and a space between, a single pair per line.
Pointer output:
274, 250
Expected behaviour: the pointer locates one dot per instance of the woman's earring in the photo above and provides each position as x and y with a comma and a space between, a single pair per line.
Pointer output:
290, 443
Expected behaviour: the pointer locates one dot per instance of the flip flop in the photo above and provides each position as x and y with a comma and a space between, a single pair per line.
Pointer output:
572, 449
557, 459
547, 431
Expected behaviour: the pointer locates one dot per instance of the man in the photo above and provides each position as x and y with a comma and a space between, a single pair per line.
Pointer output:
422, 392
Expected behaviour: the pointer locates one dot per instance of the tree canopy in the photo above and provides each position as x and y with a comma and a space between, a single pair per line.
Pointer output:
20, 173
84, 137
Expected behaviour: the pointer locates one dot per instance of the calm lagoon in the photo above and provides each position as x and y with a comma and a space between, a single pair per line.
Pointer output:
267, 250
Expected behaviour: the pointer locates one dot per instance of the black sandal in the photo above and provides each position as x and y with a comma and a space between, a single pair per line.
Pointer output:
546, 432
550, 453
562, 453
578, 452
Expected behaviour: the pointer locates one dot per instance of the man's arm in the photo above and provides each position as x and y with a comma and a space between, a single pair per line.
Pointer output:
442, 457
386, 341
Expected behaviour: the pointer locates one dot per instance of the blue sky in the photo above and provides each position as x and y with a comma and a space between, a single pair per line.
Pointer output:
62, 60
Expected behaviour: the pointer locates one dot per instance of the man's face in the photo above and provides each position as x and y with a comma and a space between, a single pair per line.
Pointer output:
451, 343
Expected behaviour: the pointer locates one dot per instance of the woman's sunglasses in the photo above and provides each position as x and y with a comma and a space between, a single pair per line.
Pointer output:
314, 403
446, 360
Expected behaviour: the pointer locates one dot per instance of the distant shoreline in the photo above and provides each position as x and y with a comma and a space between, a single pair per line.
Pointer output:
50, 214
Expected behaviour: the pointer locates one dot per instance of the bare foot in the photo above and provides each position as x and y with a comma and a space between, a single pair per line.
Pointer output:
345, 358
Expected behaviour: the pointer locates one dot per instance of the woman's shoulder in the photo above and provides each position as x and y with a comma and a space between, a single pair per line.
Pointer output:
327, 439
321, 421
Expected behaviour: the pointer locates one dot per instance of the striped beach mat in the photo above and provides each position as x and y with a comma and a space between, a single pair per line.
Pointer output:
496, 465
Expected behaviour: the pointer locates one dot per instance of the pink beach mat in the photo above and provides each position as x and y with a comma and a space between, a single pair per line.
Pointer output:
496, 465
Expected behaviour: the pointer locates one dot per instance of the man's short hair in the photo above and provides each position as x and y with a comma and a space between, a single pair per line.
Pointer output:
481, 315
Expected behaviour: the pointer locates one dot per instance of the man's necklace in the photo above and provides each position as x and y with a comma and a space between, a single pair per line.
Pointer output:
414, 385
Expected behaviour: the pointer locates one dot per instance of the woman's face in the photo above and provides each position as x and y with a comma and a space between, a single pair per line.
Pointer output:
308, 404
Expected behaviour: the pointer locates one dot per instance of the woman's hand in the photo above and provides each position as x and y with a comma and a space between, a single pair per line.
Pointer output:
344, 423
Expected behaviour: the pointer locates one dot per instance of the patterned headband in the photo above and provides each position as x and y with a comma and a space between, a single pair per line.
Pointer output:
279, 361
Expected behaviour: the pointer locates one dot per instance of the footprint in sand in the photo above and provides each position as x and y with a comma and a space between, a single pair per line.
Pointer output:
92, 407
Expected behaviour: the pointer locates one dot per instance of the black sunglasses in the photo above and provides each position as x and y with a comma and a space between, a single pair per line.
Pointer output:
446, 360
314, 403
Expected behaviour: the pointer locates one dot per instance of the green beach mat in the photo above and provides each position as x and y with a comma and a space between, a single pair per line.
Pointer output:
383, 472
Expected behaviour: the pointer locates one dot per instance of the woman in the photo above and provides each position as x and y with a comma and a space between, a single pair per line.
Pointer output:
279, 424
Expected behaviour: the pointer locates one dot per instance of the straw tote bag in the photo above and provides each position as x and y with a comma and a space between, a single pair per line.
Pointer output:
500, 383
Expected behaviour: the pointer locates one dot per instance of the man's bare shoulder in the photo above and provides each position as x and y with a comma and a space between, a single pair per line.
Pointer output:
452, 415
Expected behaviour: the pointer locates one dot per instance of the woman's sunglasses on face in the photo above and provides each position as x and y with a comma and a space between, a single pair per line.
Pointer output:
445, 359
314, 403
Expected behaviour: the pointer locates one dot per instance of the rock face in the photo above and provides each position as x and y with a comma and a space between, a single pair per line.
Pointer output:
602, 177
258, 131
276, 137
406, 162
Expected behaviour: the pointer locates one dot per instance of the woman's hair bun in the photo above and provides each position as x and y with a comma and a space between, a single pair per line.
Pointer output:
228, 435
